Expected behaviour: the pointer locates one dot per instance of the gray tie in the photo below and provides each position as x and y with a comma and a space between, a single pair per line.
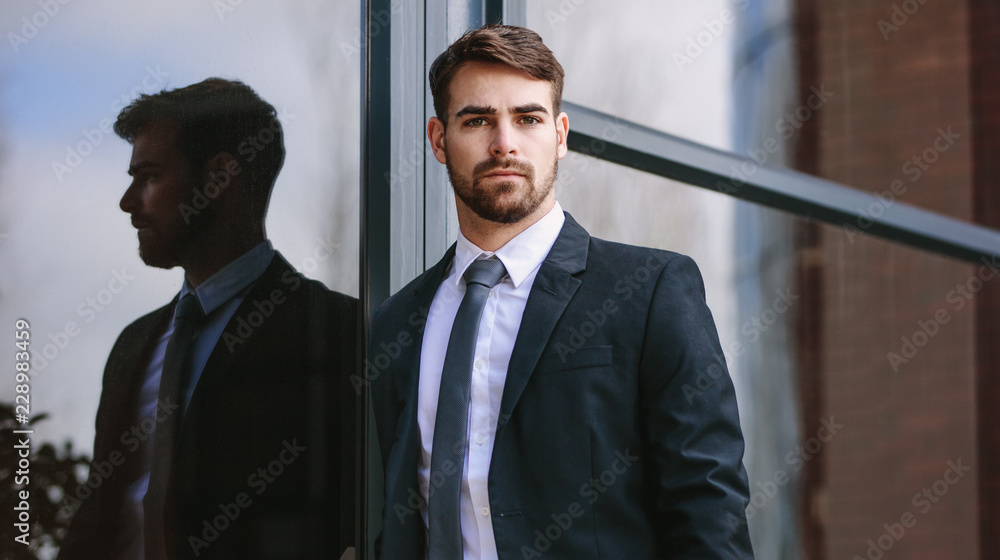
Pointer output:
158, 507
451, 425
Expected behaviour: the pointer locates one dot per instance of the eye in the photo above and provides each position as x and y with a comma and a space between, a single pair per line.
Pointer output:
529, 119
476, 122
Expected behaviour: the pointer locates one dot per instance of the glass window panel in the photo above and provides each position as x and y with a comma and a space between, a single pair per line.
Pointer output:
892, 99
63, 238
617, 59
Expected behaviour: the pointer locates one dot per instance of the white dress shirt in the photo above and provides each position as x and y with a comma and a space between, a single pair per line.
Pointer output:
522, 256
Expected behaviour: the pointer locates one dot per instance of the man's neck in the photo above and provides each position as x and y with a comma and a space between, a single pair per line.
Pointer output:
203, 264
491, 236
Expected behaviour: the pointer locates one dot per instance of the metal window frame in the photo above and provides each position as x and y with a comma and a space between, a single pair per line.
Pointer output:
625, 143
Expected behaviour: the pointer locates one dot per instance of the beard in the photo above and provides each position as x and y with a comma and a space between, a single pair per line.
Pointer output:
488, 200
160, 249
168, 243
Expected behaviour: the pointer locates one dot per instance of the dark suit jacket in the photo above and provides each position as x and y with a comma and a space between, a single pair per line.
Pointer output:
274, 384
607, 445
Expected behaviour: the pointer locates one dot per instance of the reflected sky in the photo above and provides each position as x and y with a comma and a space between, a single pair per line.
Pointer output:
68, 254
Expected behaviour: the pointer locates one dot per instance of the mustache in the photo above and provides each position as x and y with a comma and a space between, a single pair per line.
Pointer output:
140, 221
509, 163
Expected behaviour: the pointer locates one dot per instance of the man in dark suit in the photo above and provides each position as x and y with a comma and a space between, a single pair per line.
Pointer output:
224, 430
531, 400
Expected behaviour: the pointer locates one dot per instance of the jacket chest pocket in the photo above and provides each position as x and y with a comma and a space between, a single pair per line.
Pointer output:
564, 358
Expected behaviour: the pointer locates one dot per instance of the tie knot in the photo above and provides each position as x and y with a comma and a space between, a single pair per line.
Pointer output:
486, 272
189, 309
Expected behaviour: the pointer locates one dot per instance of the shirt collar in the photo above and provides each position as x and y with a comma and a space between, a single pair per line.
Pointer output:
225, 284
521, 255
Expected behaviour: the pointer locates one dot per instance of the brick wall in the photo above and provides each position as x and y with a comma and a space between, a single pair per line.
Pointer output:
896, 87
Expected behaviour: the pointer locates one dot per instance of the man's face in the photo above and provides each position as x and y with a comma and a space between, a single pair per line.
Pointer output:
502, 142
162, 181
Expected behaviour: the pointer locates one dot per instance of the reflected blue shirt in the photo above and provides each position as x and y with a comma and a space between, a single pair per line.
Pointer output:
220, 296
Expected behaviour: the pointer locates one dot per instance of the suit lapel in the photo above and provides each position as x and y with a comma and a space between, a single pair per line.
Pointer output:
127, 369
419, 305
221, 358
554, 287
404, 539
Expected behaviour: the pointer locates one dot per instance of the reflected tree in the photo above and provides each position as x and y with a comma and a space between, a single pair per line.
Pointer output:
50, 475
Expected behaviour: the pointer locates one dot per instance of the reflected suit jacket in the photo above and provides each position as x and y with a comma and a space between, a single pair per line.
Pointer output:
260, 442
607, 444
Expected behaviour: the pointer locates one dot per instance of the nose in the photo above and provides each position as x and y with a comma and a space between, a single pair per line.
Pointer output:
504, 141
130, 200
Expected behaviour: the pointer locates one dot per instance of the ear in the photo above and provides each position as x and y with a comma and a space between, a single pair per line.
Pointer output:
220, 172
435, 134
562, 133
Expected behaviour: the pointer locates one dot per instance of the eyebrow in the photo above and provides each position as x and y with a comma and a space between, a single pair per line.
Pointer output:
531, 108
487, 110
476, 110
143, 165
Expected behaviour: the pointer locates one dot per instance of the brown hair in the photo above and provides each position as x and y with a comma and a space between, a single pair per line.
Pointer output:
214, 116
518, 47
